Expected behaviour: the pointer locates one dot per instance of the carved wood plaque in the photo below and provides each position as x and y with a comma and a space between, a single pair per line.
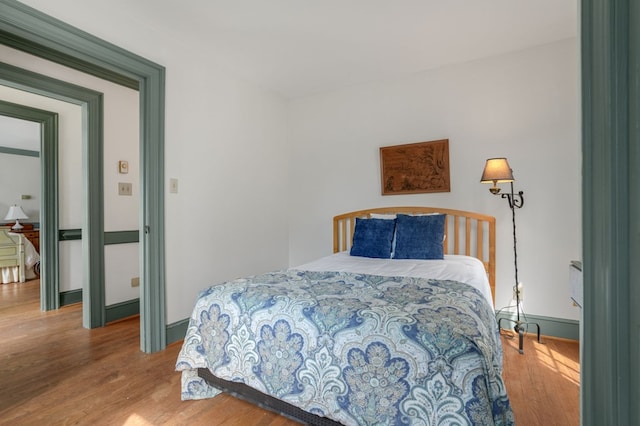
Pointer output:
415, 168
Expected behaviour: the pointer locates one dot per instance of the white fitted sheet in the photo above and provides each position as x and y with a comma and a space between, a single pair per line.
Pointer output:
460, 268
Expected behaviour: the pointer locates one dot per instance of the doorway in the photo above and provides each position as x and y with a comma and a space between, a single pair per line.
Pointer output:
49, 199
26, 29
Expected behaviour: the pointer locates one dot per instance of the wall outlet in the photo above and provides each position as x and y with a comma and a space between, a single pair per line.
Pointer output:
124, 188
519, 288
135, 282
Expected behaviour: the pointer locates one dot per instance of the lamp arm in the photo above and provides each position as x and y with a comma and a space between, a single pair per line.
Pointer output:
515, 200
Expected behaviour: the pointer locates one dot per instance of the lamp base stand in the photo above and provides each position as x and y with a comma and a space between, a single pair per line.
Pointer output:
519, 328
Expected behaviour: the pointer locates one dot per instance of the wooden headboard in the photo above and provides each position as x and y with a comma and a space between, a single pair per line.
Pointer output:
467, 233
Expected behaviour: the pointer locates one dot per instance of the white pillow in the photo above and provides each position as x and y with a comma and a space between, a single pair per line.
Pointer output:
390, 216
382, 216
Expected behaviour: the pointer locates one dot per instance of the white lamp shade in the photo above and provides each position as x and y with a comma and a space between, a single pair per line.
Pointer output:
16, 213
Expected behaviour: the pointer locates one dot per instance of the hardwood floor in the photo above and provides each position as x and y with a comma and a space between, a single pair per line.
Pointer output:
53, 371
544, 383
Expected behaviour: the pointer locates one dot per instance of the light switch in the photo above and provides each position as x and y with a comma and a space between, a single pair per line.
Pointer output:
173, 186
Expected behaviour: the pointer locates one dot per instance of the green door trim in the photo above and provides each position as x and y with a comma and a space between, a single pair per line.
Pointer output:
34, 32
17, 151
610, 377
49, 267
93, 312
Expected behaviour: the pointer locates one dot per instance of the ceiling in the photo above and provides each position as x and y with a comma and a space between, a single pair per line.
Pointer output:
298, 48
302, 47
20, 134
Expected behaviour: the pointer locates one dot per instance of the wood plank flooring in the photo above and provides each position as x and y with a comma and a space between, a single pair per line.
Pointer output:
543, 384
54, 372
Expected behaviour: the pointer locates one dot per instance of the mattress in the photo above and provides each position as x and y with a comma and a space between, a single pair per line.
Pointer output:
466, 269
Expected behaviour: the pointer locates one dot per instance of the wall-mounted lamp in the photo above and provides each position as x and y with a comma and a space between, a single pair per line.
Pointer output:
16, 213
497, 170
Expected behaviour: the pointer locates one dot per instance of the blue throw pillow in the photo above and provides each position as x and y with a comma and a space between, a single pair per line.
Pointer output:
372, 238
419, 237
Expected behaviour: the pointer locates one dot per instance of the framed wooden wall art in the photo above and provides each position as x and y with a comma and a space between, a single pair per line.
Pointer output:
415, 168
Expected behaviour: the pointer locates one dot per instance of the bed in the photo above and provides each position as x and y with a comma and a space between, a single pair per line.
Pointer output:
18, 257
363, 336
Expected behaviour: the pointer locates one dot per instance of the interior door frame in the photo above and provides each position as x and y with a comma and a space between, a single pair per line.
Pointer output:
26, 29
49, 267
91, 102
610, 64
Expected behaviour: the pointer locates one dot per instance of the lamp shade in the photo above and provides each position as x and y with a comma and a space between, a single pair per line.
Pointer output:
16, 213
497, 170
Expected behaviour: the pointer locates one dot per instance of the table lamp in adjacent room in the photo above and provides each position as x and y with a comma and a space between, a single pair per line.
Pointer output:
16, 213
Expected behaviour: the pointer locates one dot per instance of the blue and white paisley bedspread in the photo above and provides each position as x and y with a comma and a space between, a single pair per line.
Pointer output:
359, 349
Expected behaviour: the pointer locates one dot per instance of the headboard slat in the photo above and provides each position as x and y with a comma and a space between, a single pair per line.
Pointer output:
456, 234
467, 241
480, 242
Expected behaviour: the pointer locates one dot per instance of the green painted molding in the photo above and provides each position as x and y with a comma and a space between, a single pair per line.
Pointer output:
49, 250
69, 234
111, 237
93, 215
40, 84
17, 151
121, 237
610, 377
70, 297
177, 331
34, 32
549, 326
121, 310
49, 268
114, 312
152, 249
633, 289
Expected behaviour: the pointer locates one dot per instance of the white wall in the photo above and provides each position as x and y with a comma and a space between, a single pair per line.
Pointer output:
20, 134
20, 175
225, 141
524, 106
